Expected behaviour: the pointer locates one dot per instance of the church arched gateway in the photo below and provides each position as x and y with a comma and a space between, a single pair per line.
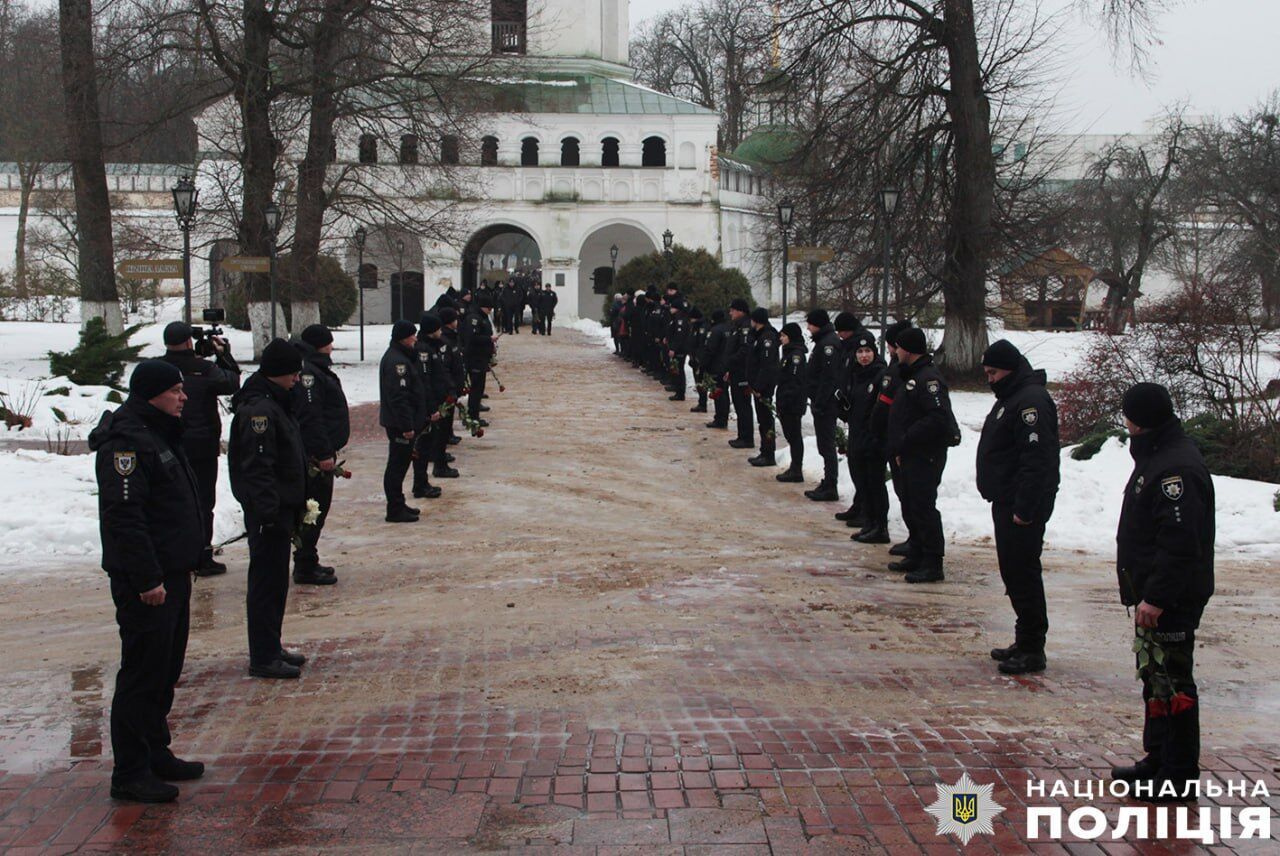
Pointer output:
596, 266
496, 252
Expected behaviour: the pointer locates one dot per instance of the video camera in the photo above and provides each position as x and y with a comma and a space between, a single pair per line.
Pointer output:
203, 337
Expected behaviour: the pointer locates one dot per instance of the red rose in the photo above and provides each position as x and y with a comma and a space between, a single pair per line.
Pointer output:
501, 388
479, 432
450, 400
1157, 707
1181, 702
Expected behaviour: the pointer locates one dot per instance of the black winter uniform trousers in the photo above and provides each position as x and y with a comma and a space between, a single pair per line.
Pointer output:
722, 403
320, 488
824, 426
678, 379
474, 398
742, 410
794, 435
205, 466
867, 469
764, 418
153, 647
399, 457
921, 475
1018, 552
268, 589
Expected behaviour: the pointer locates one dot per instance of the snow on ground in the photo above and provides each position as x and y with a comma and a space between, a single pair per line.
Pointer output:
50, 506
1088, 504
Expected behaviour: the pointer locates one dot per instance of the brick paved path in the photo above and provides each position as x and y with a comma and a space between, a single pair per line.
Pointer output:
646, 647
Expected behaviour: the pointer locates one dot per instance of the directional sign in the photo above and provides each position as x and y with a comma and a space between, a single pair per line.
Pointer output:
810, 254
150, 269
247, 264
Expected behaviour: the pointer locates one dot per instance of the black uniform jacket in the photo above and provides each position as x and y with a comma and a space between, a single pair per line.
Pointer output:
402, 403
1164, 544
826, 371
320, 405
267, 460
678, 334
890, 381
203, 381
864, 392
793, 396
477, 341
149, 513
762, 361
739, 345
1018, 452
715, 353
435, 373
456, 368
920, 419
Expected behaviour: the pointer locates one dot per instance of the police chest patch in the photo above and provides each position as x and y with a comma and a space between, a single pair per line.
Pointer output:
829, 350
401, 368
1172, 487
258, 424
871, 387
796, 359
911, 384
126, 462
932, 386
308, 380
884, 382
1030, 416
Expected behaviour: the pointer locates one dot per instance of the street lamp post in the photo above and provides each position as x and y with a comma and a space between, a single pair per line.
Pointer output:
185, 198
400, 277
271, 216
613, 267
888, 204
785, 212
360, 237
668, 240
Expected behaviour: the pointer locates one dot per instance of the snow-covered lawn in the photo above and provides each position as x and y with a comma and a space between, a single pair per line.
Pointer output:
1088, 503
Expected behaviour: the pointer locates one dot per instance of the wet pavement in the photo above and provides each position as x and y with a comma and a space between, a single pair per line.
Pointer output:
609, 636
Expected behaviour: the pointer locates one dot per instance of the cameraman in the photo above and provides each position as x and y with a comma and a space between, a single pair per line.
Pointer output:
203, 381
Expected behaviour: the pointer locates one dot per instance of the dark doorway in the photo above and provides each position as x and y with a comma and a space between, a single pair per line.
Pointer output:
528, 152
609, 151
602, 280
410, 283
512, 243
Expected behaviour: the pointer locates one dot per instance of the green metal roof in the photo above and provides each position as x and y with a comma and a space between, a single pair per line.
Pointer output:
769, 145
586, 93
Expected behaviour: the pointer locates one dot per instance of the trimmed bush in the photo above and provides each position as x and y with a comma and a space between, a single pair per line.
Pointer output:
99, 358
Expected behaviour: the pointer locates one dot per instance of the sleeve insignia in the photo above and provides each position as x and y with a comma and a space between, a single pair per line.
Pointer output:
401, 368
308, 380
126, 463
1172, 487
911, 384
1034, 438
932, 386
1030, 416
258, 424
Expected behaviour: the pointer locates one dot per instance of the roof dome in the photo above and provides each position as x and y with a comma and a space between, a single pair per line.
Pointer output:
769, 145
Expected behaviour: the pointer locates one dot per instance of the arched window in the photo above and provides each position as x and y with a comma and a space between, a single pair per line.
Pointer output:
489, 151
368, 275
449, 150
569, 153
409, 148
528, 152
609, 151
654, 152
688, 155
368, 148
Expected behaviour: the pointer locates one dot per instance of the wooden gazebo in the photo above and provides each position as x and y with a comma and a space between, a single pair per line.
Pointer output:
1044, 290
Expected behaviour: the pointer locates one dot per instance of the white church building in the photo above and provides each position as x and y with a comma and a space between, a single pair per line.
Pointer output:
579, 160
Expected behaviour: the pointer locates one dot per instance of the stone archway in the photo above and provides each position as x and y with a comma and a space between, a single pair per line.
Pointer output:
630, 240
496, 251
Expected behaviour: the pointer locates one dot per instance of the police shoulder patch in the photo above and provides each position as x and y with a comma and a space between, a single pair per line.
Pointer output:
1172, 487
401, 368
125, 462
308, 380
884, 382
796, 359
258, 424
1030, 416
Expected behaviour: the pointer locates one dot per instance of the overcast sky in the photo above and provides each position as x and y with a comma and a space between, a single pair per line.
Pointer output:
1220, 56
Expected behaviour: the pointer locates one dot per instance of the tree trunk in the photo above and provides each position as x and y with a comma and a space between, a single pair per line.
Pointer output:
97, 275
258, 167
313, 169
27, 174
969, 231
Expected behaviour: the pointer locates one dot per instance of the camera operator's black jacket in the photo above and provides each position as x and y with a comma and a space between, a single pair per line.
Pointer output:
267, 459
1018, 451
320, 405
149, 513
203, 381
1164, 543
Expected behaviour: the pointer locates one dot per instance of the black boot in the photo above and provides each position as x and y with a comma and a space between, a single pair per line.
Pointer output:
1140, 772
445, 472
676, 397
872, 535
739, 443
277, 669
903, 549
400, 515
859, 522
930, 571
824, 492
173, 769
313, 577
764, 459
790, 474
1180, 758
293, 658
144, 789
907, 564
428, 492
1023, 663
848, 514
209, 566
716, 424
698, 408
1002, 654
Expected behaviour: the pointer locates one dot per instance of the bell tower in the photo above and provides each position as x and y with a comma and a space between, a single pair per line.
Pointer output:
593, 30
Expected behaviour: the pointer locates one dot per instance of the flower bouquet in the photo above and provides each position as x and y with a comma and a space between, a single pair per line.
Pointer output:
842, 441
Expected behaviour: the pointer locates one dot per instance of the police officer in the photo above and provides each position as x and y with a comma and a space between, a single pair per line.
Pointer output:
921, 427
454, 364
792, 399
866, 454
479, 351
325, 422
825, 374
432, 444
714, 359
1018, 475
889, 384
697, 339
268, 476
736, 350
678, 339
512, 306
202, 382
847, 327
153, 531
762, 380
402, 412
1164, 562
547, 301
